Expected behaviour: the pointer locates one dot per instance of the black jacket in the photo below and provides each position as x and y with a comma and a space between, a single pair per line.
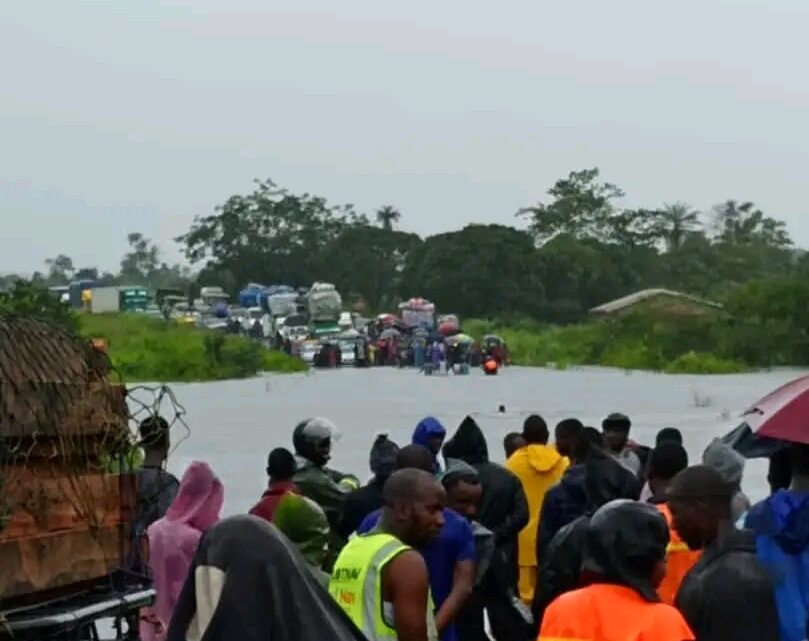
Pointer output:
560, 564
504, 508
358, 505
564, 503
728, 594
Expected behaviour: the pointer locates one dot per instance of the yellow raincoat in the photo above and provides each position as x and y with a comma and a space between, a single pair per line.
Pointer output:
539, 467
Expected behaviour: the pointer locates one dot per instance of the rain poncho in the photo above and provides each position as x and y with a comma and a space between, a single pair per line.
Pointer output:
427, 429
728, 594
625, 540
781, 526
173, 539
539, 467
249, 583
305, 524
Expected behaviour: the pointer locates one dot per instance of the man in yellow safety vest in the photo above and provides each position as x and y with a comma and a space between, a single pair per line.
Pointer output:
379, 579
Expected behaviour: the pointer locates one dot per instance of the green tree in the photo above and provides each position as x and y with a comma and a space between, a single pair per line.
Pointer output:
270, 235
60, 269
581, 207
368, 261
26, 298
481, 270
141, 260
387, 216
676, 222
744, 224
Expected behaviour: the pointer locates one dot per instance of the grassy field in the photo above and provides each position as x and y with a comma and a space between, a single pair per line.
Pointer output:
146, 349
629, 344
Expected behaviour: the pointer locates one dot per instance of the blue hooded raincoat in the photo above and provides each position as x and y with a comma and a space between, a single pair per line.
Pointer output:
781, 526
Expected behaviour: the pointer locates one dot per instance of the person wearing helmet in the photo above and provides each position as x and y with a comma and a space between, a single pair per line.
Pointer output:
624, 564
312, 440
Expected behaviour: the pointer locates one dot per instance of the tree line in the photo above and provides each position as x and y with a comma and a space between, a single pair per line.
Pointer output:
575, 249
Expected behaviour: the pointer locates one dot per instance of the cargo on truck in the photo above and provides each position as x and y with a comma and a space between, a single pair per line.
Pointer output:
325, 303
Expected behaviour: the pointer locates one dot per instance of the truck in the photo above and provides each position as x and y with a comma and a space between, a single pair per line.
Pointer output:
417, 312
119, 299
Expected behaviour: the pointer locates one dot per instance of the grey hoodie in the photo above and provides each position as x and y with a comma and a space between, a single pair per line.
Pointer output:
730, 464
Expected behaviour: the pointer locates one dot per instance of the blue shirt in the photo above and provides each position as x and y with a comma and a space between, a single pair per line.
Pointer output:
455, 542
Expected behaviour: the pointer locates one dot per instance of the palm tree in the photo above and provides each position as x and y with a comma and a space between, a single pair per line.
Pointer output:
387, 216
677, 222
737, 223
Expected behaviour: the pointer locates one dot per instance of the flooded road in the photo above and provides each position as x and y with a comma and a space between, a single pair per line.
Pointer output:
234, 424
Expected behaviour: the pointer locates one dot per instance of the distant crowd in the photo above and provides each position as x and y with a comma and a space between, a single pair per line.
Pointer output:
591, 538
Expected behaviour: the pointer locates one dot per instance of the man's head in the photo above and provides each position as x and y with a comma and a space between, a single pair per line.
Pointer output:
312, 440
280, 465
616, 431
566, 434
414, 506
700, 500
430, 433
416, 457
535, 430
512, 442
154, 436
669, 435
382, 459
588, 439
666, 461
463, 488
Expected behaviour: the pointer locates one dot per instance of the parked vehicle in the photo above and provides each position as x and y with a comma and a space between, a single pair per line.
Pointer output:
309, 349
118, 299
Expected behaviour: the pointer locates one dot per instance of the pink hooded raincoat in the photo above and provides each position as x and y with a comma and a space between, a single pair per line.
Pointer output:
173, 541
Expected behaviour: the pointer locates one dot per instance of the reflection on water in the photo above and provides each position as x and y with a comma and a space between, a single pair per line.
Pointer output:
234, 424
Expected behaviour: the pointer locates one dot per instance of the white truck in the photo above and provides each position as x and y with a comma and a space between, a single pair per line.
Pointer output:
106, 300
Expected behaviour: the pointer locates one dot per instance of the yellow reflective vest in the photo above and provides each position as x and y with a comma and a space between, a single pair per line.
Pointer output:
356, 585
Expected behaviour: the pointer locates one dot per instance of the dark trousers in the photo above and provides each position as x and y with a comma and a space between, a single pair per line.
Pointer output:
505, 622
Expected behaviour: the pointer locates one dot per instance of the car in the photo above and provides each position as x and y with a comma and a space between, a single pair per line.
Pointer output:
309, 350
347, 350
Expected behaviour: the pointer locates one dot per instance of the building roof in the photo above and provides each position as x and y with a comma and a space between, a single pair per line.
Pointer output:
620, 304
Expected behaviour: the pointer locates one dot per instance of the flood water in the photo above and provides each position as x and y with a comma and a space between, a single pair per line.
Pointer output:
234, 424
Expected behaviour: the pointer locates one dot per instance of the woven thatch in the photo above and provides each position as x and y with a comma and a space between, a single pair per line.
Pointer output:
52, 382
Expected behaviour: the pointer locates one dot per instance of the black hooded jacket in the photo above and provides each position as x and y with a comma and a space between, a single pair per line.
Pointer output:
728, 594
503, 509
561, 563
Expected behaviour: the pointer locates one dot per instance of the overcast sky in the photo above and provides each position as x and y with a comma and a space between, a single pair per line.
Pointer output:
136, 115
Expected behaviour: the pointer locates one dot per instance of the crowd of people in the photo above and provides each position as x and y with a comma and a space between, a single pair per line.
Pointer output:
589, 536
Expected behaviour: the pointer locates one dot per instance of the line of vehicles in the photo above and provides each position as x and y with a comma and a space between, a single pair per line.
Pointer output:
308, 322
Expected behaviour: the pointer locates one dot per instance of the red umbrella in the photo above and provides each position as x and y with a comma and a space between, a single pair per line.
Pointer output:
782, 414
